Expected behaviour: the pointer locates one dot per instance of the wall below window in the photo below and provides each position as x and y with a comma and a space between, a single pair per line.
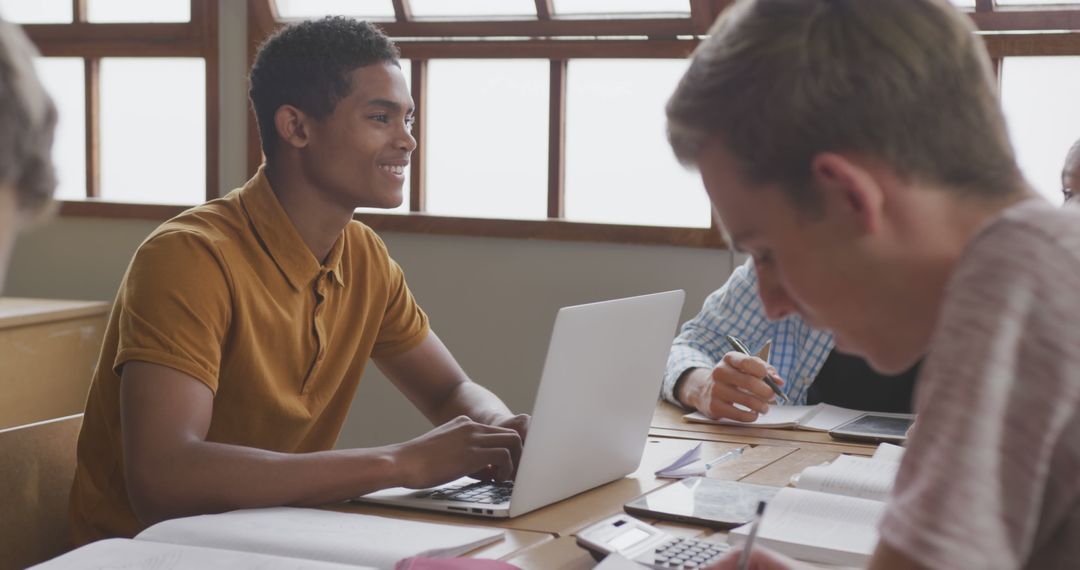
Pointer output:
492, 301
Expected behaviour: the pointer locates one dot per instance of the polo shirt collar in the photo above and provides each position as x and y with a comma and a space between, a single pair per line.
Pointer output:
280, 238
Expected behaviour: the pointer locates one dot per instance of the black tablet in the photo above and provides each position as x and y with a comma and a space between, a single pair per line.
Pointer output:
875, 427
708, 502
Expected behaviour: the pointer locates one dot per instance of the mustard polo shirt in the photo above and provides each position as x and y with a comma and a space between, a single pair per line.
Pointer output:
229, 294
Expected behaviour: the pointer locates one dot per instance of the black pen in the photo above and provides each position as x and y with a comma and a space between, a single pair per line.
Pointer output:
738, 346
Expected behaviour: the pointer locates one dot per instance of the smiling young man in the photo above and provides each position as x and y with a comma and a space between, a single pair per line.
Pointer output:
242, 326
858, 151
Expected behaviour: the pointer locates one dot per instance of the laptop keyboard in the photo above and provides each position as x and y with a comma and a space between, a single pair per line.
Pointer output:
480, 492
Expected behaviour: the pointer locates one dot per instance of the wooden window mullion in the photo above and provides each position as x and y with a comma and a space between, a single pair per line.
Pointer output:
557, 141
544, 9
417, 182
207, 28
402, 11
78, 11
92, 87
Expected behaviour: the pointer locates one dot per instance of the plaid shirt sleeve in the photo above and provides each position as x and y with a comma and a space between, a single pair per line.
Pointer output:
797, 352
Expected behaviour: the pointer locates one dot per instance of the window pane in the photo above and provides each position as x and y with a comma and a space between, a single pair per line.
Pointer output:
964, 3
616, 7
138, 11
153, 130
1035, 2
306, 9
619, 166
487, 138
472, 8
36, 11
1039, 95
406, 68
63, 79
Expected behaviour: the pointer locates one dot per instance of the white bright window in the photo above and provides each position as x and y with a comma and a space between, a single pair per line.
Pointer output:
619, 166
1034, 2
487, 138
37, 11
1039, 96
101, 11
153, 130
63, 78
382, 10
472, 8
620, 7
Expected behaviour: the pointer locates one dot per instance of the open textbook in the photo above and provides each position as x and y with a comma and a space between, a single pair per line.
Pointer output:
279, 538
833, 515
819, 417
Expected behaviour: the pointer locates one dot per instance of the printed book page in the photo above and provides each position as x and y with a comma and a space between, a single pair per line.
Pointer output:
818, 527
862, 477
126, 554
314, 534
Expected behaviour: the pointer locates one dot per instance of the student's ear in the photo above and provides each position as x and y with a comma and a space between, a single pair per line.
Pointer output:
292, 126
850, 188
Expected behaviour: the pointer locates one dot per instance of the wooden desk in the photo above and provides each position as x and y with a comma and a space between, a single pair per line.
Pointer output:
770, 457
48, 350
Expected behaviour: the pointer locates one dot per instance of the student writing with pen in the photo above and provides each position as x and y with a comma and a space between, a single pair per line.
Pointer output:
706, 374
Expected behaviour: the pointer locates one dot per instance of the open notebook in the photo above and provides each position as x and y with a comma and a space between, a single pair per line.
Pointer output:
278, 538
833, 515
819, 417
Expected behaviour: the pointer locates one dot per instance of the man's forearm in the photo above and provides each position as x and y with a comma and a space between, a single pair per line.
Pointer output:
472, 400
203, 477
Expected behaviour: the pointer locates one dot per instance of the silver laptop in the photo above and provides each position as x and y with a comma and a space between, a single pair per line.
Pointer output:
592, 413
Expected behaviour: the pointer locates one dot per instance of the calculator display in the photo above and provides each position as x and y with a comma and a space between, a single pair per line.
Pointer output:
627, 539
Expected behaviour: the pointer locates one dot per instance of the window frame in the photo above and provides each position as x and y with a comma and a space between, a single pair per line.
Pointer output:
197, 38
1007, 31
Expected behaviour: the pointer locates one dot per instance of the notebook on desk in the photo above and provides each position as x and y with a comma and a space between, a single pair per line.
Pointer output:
592, 413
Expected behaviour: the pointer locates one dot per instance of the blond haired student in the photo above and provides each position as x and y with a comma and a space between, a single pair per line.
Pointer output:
27, 123
857, 150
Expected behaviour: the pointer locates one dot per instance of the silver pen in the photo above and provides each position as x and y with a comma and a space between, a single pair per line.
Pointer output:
768, 379
744, 556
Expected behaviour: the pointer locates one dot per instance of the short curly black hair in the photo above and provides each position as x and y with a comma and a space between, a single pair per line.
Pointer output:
307, 65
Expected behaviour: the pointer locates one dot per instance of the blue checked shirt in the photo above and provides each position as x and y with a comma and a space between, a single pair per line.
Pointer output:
797, 352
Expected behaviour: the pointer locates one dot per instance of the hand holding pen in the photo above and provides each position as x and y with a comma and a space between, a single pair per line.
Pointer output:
768, 379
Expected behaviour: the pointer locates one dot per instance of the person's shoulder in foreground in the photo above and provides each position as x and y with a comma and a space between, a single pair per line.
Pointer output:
243, 326
1011, 309
904, 240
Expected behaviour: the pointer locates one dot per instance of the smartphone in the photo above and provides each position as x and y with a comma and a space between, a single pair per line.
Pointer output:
703, 501
647, 545
875, 428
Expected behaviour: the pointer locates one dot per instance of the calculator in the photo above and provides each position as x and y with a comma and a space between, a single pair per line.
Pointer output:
648, 545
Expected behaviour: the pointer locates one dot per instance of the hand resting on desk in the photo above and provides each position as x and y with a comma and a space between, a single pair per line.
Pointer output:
736, 379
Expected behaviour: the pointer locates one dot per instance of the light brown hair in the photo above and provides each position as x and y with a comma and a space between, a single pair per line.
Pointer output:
904, 81
27, 123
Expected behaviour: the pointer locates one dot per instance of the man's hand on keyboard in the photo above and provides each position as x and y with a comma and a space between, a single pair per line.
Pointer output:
458, 447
